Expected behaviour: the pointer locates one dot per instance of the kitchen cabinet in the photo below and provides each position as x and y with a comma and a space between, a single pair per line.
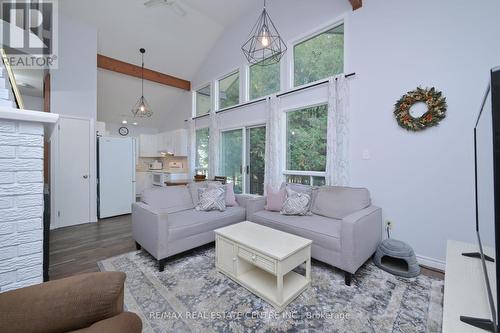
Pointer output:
172, 142
148, 145
166, 142
180, 142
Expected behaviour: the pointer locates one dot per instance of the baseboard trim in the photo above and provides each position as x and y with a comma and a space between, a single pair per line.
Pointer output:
431, 262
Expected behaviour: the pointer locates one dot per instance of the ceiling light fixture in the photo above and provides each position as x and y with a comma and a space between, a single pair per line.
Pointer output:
142, 108
265, 45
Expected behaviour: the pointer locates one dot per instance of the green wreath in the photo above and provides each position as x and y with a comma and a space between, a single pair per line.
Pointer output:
436, 109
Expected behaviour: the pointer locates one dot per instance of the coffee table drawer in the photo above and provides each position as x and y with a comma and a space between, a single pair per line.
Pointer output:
257, 259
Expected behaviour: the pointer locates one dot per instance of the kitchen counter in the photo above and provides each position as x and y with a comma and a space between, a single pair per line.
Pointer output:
179, 182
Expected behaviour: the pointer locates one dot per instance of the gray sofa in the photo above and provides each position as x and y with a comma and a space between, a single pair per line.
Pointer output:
344, 227
165, 222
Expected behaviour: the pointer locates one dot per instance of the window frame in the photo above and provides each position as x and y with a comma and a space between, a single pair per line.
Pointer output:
194, 99
305, 37
286, 171
217, 86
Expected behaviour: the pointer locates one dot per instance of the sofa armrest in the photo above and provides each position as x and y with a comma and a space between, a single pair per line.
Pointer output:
255, 205
125, 322
242, 199
150, 229
62, 305
361, 234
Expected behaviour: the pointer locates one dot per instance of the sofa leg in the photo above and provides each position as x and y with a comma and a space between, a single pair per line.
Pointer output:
137, 246
348, 278
161, 264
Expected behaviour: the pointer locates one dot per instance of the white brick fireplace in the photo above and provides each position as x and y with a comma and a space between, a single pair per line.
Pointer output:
21, 196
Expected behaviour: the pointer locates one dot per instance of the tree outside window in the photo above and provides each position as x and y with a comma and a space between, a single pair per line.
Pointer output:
319, 57
203, 101
229, 91
264, 80
202, 149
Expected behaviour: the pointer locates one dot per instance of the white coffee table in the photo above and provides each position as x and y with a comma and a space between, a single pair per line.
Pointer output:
262, 259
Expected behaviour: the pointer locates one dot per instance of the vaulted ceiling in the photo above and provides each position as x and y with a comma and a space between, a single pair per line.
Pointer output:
175, 45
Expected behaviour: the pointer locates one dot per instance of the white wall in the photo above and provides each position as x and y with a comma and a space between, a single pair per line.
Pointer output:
74, 83
423, 181
21, 204
134, 131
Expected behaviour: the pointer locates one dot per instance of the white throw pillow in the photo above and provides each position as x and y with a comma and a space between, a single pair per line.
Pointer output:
212, 199
296, 203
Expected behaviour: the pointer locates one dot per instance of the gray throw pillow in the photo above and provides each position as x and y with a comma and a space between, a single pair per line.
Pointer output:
296, 203
312, 191
211, 199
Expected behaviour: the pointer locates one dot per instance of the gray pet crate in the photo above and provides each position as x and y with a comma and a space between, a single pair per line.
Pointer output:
397, 257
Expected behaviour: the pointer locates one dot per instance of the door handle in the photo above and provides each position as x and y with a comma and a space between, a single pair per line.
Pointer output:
85, 176
248, 169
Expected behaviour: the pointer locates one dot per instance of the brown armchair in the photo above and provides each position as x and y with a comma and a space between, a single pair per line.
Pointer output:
83, 303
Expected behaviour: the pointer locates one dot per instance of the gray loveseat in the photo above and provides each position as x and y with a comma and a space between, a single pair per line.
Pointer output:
165, 222
344, 227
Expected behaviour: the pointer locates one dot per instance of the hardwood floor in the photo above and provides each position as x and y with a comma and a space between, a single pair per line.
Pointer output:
77, 249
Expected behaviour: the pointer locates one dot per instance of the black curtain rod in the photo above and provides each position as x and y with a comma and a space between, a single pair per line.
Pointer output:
242, 105
279, 95
311, 86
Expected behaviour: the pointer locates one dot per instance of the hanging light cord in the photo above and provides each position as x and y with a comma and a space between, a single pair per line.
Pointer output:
142, 75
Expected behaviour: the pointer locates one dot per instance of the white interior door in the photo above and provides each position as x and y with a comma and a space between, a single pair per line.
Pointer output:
116, 176
73, 179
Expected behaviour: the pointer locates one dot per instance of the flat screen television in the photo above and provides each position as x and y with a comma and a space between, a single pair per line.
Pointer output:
487, 200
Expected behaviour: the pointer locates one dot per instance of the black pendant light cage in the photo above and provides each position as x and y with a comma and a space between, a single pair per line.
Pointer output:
142, 109
264, 45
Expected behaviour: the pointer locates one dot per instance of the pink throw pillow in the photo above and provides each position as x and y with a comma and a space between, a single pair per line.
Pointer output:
230, 196
275, 199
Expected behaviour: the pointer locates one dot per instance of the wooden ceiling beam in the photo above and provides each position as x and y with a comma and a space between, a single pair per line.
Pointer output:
356, 4
122, 67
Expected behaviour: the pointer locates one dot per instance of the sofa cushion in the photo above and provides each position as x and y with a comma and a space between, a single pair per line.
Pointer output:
168, 199
192, 222
338, 202
323, 231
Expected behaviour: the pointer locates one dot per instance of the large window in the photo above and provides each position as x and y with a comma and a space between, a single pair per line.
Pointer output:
264, 79
319, 57
306, 145
202, 142
229, 90
203, 101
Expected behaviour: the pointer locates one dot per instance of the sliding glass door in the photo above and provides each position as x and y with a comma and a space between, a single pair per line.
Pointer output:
231, 161
242, 158
256, 154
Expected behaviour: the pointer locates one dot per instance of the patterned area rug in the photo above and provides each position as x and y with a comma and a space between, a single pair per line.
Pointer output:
191, 296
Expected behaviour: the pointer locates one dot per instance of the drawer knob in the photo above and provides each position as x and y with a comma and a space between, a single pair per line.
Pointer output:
234, 259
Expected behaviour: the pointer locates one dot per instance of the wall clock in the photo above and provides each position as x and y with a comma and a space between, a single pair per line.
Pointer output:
123, 131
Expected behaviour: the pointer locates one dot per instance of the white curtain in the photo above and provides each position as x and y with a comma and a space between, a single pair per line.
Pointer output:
192, 146
213, 154
274, 146
337, 151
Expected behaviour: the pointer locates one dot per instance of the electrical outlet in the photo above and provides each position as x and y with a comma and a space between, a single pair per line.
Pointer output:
389, 224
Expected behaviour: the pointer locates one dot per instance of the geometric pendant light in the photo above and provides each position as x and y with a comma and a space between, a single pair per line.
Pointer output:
264, 45
142, 108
